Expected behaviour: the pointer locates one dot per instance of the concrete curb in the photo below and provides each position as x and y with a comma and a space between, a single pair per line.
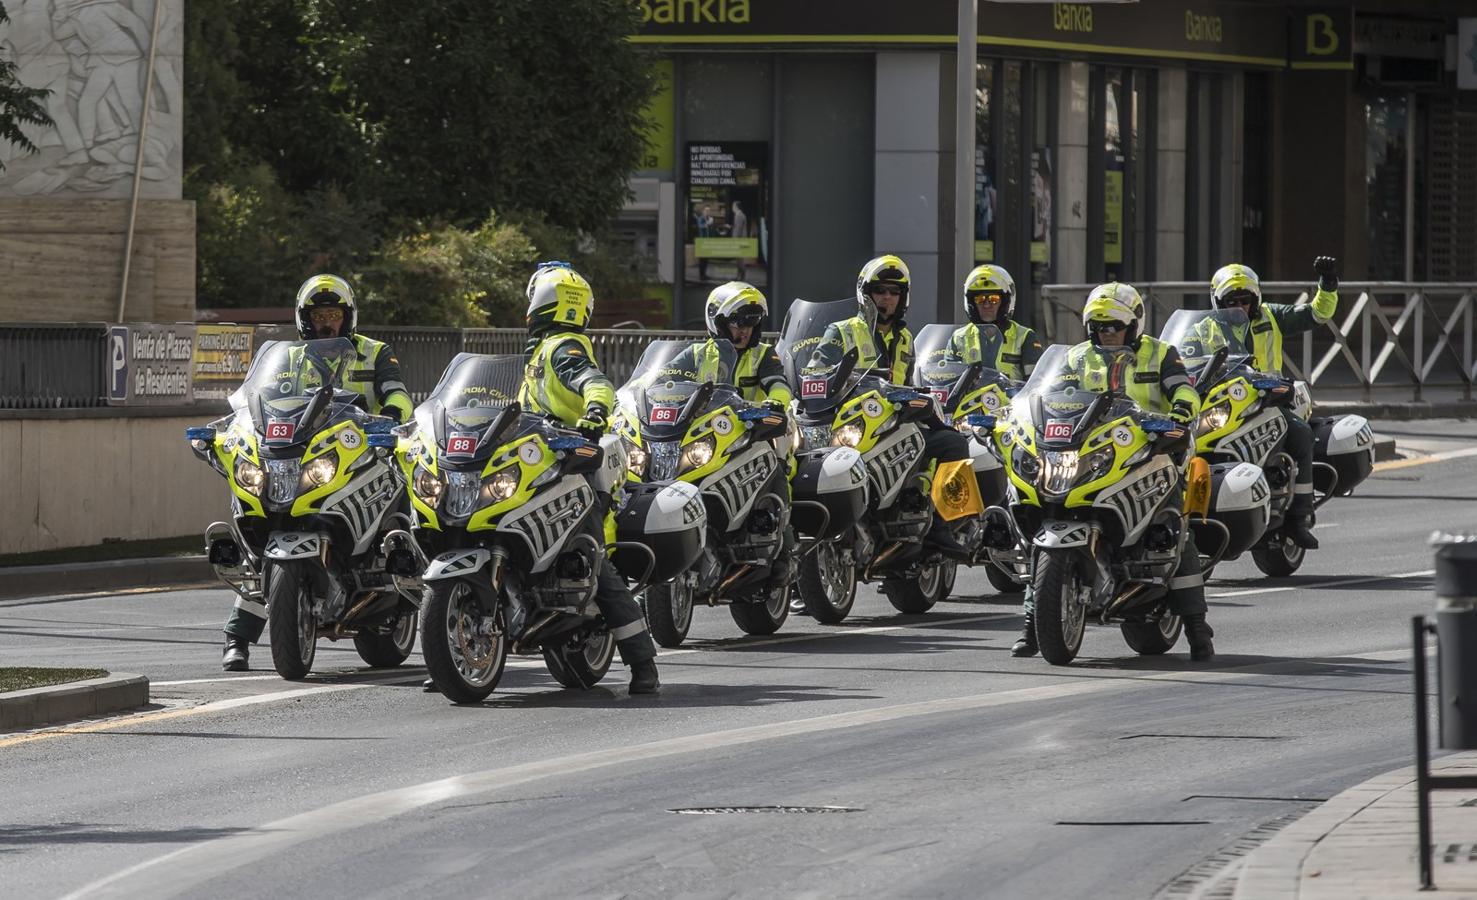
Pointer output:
1274, 871
79, 578
1384, 448
73, 700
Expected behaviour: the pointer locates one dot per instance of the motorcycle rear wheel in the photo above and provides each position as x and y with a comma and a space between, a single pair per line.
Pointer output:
465, 666
908, 596
580, 662
386, 651
290, 619
1278, 556
827, 584
765, 617
669, 612
1002, 582
1153, 638
1060, 620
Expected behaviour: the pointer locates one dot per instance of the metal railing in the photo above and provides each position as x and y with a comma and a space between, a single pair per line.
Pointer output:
63, 366
1384, 334
52, 366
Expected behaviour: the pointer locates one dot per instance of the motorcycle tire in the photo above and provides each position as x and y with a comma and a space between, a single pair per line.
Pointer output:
908, 596
1278, 556
1153, 638
1001, 582
582, 661
386, 651
668, 612
291, 623
448, 628
1060, 622
763, 618
827, 584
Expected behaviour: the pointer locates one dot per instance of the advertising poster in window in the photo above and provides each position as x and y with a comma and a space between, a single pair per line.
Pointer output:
985, 198
727, 212
1041, 182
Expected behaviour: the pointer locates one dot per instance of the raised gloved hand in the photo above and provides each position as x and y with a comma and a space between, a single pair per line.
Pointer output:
1328, 273
594, 422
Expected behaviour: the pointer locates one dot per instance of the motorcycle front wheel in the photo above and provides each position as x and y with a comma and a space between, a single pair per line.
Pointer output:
1152, 638
918, 596
1278, 556
827, 584
1061, 615
765, 617
290, 618
465, 649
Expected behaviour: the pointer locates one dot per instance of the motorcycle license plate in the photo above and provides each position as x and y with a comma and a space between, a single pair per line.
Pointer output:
280, 430
664, 415
941, 396
461, 445
1058, 430
812, 386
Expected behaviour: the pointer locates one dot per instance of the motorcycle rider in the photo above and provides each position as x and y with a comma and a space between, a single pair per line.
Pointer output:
1237, 287
882, 340
735, 312
1149, 372
564, 381
326, 309
992, 336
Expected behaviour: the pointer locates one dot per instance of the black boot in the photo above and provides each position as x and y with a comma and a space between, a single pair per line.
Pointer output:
643, 677
235, 658
1300, 523
429, 685
941, 538
1199, 633
1025, 645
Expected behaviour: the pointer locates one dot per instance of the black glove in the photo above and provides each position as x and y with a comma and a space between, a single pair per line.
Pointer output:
1328, 273
594, 422
777, 407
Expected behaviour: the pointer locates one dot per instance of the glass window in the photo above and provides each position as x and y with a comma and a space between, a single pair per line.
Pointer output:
1385, 154
985, 194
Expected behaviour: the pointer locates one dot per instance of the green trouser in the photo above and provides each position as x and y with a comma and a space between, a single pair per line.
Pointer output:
247, 620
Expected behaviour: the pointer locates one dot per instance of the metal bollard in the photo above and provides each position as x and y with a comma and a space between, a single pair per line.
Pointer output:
1456, 638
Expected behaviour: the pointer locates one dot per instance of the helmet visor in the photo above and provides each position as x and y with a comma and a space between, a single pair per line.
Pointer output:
988, 298
1106, 327
1239, 297
748, 317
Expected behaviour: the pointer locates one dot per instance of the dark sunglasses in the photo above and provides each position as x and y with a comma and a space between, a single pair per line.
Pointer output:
747, 320
1239, 299
993, 299
1107, 327
887, 290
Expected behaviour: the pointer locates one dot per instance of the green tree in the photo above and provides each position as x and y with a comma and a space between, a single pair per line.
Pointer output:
19, 105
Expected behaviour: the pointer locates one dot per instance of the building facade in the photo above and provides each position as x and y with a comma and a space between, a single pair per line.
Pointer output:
1140, 141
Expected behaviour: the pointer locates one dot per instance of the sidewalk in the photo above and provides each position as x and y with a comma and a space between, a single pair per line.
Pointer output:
1362, 844
1393, 403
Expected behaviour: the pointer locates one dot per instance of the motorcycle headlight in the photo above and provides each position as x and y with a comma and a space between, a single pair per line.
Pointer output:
636, 459
1215, 418
697, 454
1059, 470
321, 470
816, 436
502, 486
250, 477
847, 435
427, 486
1026, 465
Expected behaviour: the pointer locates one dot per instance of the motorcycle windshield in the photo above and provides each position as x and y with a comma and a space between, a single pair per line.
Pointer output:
1056, 400
817, 363
472, 394
669, 374
285, 379
1198, 333
945, 372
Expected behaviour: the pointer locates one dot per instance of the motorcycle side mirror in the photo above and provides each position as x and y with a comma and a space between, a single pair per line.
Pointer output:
981, 421
1275, 391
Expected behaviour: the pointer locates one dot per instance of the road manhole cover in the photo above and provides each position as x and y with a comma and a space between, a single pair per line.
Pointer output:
732, 810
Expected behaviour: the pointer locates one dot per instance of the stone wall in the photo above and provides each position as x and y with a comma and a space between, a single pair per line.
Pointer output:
64, 209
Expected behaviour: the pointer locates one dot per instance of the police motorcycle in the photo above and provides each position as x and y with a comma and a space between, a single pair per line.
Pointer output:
681, 419
507, 502
318, 528
883, 486
1241, 426
964, 390
1094, 479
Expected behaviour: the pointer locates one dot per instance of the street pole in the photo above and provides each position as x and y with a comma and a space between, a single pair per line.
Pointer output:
964, 87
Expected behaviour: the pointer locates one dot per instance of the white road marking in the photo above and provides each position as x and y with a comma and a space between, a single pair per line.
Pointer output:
1314, 585
195, 865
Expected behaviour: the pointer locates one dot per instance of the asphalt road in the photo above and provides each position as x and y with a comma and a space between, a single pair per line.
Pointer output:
958, 770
